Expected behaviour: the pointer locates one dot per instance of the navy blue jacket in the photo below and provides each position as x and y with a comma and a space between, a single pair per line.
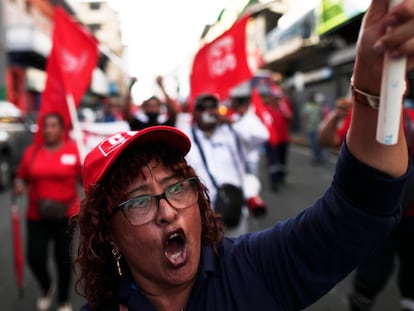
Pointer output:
297, 261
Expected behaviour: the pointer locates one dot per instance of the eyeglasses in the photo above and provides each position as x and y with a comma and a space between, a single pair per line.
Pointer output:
144, 208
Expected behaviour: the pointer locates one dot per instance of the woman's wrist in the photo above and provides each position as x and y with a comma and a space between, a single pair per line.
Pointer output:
364, 98
366, 76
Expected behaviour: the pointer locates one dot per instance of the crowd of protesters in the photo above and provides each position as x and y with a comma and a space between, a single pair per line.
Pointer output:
221, 141
232, 140
148, 236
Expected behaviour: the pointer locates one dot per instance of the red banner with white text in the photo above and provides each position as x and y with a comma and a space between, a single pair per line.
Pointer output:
69, 67
221, 64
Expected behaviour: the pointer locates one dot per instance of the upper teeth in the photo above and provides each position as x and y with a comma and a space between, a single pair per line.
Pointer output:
172, 236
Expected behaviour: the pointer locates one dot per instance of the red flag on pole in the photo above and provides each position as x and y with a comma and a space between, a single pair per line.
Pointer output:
221, 64
69, 67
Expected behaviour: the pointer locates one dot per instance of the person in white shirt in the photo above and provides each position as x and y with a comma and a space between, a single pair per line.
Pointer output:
251, 130
223, 143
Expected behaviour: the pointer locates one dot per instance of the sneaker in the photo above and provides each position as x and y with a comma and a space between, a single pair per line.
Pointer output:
257, 206
65, 307
44, 302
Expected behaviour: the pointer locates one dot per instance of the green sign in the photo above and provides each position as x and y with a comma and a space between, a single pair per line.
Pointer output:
2, 92
336, 12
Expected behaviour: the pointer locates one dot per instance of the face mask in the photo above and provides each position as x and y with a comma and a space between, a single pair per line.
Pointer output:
152, 117
207, 117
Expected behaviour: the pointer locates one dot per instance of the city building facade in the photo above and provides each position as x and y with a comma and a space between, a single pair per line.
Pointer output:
27, 42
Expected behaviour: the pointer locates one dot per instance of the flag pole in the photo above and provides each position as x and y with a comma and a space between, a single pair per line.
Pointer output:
77, 131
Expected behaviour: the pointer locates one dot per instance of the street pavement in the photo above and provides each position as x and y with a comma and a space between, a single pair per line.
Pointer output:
305, 183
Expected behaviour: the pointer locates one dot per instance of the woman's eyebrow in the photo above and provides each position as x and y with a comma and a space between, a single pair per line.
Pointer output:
164, 181
140, 188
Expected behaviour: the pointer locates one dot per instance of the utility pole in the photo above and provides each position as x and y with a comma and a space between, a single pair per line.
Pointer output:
3, 51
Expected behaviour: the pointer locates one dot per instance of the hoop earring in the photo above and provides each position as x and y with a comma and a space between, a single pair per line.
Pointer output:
117, 257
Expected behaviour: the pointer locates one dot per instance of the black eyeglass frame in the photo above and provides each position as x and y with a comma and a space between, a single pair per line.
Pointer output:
157, 197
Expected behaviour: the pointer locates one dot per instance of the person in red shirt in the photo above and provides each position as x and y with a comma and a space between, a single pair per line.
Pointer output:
372, 276
50, 171
276, 152
334, 126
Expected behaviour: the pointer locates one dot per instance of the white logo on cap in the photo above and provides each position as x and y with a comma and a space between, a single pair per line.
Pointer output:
114, 142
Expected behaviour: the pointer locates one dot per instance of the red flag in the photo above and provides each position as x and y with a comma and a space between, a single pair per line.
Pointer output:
221, 64
264, 115
69, 67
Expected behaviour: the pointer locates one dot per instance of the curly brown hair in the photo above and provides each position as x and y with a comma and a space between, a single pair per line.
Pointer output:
97, 278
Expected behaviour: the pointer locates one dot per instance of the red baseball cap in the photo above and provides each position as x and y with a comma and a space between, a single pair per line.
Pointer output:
100, 159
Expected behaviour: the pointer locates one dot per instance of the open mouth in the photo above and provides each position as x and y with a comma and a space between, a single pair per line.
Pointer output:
175, 248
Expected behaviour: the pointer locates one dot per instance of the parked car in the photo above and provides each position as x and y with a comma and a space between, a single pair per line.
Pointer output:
16, 133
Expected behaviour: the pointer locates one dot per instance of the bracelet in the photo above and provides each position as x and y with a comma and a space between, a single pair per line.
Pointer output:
369, 100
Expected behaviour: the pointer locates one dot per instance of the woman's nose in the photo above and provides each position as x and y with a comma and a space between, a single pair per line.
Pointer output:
166, 212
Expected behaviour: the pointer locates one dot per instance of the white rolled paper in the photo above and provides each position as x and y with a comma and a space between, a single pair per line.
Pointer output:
392, 92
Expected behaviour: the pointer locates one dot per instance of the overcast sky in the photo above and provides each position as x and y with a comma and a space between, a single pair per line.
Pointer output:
162, 34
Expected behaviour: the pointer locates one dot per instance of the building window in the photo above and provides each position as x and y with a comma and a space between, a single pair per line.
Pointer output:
94, 5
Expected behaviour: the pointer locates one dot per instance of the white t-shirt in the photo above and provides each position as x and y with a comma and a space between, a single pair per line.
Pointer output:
222, 156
